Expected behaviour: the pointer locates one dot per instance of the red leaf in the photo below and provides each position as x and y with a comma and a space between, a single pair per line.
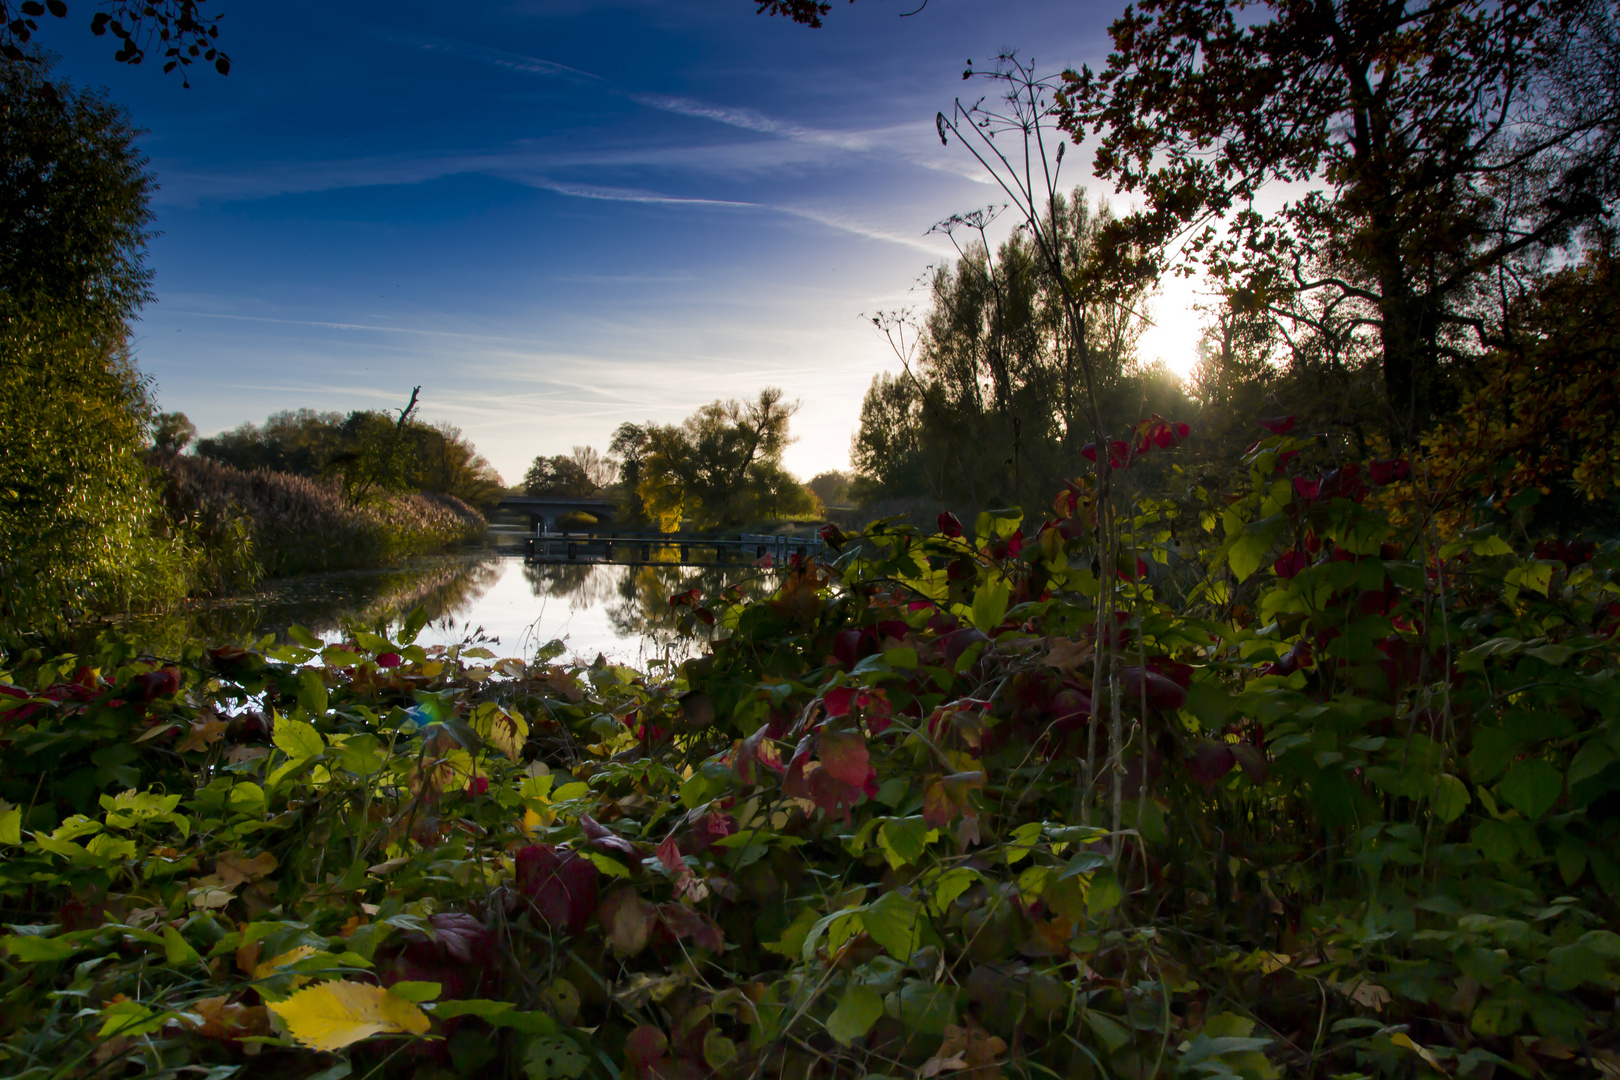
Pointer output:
669, 856
606, 840
643, 1047
388, 660
1387, 472
949, 525
1210, 761
938, 809
562, 885
1279, 425
1307, 490
682, 922
843, 754
1161, 693
1290, 563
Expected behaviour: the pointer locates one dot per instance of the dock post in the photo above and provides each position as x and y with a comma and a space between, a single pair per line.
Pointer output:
646, 553
573, 550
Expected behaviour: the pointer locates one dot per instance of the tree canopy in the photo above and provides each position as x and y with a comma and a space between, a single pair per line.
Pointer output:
1433, 150
722, 466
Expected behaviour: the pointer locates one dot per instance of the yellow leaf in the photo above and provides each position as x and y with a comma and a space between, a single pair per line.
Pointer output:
1401, 1039
202, 734
338, 1014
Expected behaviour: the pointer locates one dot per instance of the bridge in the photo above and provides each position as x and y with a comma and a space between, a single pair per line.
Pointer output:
544, 509
666, 549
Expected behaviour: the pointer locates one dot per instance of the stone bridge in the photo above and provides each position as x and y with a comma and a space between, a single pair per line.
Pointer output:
542, 510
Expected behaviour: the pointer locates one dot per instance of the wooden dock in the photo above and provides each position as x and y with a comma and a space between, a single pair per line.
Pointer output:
666, 549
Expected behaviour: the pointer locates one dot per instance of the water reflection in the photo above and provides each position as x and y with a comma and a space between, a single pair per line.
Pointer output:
618, 610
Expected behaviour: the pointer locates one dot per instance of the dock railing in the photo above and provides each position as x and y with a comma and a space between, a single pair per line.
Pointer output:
663, 548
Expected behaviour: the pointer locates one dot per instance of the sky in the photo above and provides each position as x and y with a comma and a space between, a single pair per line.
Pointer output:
558, 215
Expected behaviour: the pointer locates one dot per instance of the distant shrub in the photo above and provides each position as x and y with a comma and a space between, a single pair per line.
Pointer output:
297, 525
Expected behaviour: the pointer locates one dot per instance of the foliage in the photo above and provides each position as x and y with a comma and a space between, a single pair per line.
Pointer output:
995, 404
722, 467
831, 487
1539, 428
74, 193
178, 27
172, 432
1436, 147
413, 456
582, 474
1316, 794
291, 524
75, 502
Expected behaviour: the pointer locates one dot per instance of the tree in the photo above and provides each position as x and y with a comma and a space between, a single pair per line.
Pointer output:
722, 466
996, 404
558, 475
1429, 135
75, 498
172, 432
831, 487
178, 27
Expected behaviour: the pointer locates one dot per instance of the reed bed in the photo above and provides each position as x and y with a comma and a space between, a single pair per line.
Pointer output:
264, 523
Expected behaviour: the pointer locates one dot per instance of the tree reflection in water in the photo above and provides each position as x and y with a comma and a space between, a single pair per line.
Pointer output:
448, 586
636, 598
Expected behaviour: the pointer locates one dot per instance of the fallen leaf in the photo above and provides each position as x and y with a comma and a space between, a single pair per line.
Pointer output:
338, 1014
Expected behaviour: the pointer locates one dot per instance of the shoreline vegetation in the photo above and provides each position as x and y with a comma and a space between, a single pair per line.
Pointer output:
266, 524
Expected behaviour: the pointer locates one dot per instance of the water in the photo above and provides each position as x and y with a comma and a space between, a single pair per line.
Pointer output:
618, 611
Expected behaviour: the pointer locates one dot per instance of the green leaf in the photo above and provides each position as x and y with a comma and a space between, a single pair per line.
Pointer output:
10, 823
791, 943
1110, 1032
312, 695
857, 1011
895, 922
296, 739
903, 840
1531, 787
1104, 892
923, 1007
304, 637
951, 884
38, 950
1451, 798
552, 1058
990, 605
176, 949
1495, 841
416, 991
413, 624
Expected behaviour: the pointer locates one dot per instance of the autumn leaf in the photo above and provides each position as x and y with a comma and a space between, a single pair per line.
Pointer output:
202, 734
338, 1014
627, 921
219, 1018
843, 754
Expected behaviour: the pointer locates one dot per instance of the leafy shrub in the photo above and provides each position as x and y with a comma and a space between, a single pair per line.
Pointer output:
1281, 788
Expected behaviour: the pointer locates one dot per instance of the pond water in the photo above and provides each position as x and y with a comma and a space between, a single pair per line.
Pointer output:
617, 610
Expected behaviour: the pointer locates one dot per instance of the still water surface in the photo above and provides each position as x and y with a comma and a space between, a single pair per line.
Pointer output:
620, 611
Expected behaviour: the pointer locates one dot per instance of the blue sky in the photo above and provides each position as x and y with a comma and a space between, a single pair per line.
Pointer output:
556, 215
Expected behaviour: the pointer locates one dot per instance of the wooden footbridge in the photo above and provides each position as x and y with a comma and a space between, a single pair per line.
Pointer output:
666, 549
